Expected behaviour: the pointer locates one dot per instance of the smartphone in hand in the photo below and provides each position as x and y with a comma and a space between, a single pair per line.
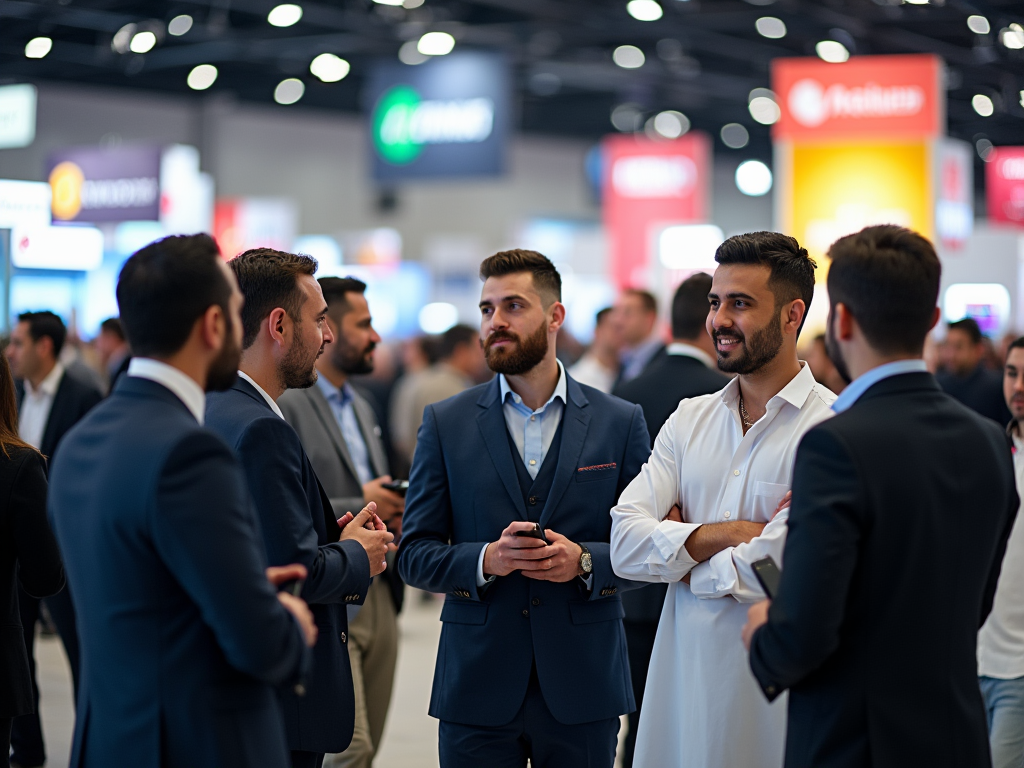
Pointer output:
767, 573
534, 533
398, 486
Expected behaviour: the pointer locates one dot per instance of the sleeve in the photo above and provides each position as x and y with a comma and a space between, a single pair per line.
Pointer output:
205, 531
40, 570
273, 460
729, 572
821, 554
644, 546
604, 579
426, 558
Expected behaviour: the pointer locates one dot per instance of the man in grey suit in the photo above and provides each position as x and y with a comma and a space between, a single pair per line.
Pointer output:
341, 436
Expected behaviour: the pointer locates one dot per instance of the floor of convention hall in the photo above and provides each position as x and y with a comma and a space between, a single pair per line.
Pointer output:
410, 736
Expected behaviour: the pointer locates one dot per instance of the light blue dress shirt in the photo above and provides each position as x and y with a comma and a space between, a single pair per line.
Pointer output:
865, 381
344, 411
533, 431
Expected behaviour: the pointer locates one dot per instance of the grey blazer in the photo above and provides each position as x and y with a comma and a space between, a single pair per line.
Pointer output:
308, 411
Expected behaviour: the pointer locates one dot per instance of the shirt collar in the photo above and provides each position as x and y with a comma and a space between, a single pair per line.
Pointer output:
47, 386
268, 398
682, 349
795, 392
181, 384
343, 394
560, 388
865, 381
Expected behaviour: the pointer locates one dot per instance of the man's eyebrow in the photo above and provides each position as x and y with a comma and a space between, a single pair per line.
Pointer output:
739, 295
510, 297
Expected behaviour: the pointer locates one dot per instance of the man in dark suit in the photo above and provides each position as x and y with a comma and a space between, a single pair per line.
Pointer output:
339, 432
284, 332
183, 637
968, 380
532, 663
636, 313
688, 369
50, 402
902, 505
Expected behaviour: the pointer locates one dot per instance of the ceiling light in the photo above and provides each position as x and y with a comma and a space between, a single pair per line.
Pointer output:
1012, 37
289, 91
628, 57
142, 42
388, 2
983, 105
753, 178
626, 117
179, 25
38, 47
978, 25
771, 27
122, 40
985, 148
644, 10
734, 136
412, 4
202, 77
1021, 102
285, 15
916, 2
409, 54
831, 51
436, 44
764, 110
329, 68
671, 124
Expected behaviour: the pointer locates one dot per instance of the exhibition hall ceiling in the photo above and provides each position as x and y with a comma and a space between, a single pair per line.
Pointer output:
575, 63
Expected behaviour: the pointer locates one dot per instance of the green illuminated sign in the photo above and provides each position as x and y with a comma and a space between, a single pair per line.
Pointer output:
393, 125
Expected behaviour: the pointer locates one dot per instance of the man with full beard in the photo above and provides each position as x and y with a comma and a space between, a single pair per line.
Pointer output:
507, 514
284, 332
725, 459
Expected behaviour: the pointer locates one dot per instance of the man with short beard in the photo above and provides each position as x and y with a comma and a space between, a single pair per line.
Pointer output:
284, 332
710, 502
532, 661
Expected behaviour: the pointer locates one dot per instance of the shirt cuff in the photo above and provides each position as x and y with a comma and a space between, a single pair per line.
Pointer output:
482, 580
714, 578
589, 581
669, 540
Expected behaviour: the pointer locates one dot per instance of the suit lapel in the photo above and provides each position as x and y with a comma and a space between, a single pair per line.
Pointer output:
492, 425
57, 417
326, 415
576, 420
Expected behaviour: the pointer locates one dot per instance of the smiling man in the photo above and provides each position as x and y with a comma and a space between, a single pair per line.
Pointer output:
532, 659
725, 459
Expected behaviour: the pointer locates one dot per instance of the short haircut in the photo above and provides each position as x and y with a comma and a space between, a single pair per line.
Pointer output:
601, 316
546, 280
455, 337
792, 270
112, 325
690, 307
888, 277
647, 300
1017, 343
269, 279
45, 324
335, 293
165, 287
969, 326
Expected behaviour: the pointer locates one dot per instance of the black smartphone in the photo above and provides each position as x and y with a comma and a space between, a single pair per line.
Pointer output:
398, 486
535, 533
767, 573
293, 587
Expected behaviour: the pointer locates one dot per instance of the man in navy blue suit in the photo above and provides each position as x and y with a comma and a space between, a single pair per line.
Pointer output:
284, 332
182, 635
532, 662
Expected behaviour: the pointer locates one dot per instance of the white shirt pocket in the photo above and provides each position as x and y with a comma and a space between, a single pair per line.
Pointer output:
766, 498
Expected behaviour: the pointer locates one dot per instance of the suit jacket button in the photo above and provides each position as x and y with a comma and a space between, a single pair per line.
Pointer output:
532, 500
536, 601
344, 637
356, 597
526, 613
771, 690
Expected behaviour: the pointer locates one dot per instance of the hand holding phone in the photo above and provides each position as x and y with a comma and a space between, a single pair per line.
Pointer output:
534, 533
768, 575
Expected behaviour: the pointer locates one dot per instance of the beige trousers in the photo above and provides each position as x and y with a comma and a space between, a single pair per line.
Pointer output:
373, 650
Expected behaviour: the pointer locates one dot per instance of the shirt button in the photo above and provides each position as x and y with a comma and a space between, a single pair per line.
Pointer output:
344, 637
736, 472
533, 418
532, 462
526, 613
728, 514
536, 601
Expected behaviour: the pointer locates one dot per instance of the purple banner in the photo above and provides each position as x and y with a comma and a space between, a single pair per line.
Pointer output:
95, 184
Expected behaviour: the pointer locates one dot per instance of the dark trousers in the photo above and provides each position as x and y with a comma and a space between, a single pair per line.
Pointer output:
640, 645
27, 733
533, 735
302, 759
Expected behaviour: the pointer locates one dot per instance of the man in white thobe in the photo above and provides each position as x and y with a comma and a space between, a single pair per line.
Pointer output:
725, 461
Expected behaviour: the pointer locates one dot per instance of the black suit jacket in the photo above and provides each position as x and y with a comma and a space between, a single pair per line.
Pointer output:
902, 506
299, 527
658, 390
72, 400
28, 554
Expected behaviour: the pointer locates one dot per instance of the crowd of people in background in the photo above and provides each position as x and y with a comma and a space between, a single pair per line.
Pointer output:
253, 476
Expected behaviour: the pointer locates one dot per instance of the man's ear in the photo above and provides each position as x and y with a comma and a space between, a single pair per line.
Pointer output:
557, 314
213, 329
795, 314
936, 316
844, 322
279, 325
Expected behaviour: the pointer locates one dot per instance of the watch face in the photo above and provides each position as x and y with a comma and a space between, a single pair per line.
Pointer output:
586, 562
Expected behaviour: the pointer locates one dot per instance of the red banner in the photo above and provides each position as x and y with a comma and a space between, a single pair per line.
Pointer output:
1004, 182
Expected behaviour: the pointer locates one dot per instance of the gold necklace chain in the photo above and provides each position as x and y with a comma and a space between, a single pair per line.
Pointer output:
744, 416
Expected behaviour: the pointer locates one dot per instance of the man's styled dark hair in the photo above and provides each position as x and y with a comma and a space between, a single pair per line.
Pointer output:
792, 270
269, 279
600, 316
647, 300
45, 324
165, 287
1017, 343
888, 277
690, 307
335, 290
455, 337
546, 279
112, 325
969, 326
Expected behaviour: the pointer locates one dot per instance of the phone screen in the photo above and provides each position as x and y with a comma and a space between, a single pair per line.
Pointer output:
767, 573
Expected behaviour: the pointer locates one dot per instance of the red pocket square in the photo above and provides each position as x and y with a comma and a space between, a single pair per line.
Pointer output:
593, 467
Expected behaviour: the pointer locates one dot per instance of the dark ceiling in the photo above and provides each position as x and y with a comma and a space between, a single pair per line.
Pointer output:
703, 56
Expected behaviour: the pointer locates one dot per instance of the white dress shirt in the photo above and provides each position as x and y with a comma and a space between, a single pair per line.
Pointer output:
1001, 639
181, 384
589, 370
270, 401
36, 406
702, 705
